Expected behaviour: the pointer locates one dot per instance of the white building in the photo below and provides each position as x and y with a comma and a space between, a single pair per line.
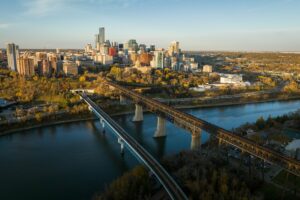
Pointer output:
174, 48
293, 149
103, 59
12, 56
158, 60
88, 48
207, 69
231, 79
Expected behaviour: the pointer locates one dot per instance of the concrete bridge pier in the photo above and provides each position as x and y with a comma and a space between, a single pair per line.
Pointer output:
196, 140
161, 127
138, 116
121, 142
122, 100
103, 125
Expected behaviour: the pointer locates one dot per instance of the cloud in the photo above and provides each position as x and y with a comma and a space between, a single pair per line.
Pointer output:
42, 7
46, 7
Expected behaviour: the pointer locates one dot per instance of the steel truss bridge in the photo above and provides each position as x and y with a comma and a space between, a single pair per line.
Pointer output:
195, 125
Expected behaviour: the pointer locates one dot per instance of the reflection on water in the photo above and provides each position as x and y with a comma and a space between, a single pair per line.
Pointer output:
73, 161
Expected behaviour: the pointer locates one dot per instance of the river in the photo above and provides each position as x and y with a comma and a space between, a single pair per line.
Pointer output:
73, 161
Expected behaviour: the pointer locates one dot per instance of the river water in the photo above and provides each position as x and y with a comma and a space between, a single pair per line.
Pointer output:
73, 161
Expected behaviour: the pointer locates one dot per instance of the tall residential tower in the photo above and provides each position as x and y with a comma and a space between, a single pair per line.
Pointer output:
100, 38
12, 56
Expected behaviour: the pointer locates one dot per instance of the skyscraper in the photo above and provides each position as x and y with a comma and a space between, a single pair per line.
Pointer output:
12, 56
26, 66
174, 48
100, 38
159, 59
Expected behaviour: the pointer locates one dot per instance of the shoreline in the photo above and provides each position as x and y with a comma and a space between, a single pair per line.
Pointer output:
236, 103
12, 131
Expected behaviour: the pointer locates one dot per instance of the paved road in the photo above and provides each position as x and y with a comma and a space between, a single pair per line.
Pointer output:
174, 191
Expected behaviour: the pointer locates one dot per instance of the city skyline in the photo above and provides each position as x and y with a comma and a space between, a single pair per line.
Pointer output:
198, 25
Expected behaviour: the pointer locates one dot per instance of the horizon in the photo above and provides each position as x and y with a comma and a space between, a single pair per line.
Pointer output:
256, 26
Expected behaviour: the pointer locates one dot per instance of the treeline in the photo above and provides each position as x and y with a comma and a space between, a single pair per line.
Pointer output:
135, 184
200, 178
272, 128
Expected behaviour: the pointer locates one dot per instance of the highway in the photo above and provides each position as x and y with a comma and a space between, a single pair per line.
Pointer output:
191, 123
172, 188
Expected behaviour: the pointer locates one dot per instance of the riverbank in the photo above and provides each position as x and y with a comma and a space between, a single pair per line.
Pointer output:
237, 103
59, 122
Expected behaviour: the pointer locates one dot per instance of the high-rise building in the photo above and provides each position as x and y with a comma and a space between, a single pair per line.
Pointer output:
1, 55
152, 47
158, 59
44, 68
145, 59
100, 38
174, 48
112, 51
70, 68
88, 48
12, 56
26, 66
131, 45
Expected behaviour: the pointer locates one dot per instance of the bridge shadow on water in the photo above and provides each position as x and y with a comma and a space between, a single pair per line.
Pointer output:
140, 132
104, 141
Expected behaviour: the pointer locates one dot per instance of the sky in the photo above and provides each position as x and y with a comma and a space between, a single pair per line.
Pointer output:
235, 25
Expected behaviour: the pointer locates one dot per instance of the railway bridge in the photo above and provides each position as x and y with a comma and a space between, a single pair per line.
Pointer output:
195, 126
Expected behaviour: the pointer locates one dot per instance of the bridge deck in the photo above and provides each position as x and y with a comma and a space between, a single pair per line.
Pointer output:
192, 124
165, 179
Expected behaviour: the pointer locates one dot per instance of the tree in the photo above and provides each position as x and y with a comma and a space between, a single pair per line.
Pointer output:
260, 123
38, 117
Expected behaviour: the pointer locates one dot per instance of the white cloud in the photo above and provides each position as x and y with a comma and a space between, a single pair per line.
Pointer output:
45, 7
42, 7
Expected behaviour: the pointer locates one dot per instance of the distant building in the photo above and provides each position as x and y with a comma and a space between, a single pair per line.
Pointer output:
145, 59
88, 48
70, 68
152, 47
1, 55
12, 51
175, 63
44, 68
293, 149
103, 59
100, 38
121, 47
231, 79
207, 69
131, 45
26, 66
112, 51
142, 48
158, 61
174, 48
